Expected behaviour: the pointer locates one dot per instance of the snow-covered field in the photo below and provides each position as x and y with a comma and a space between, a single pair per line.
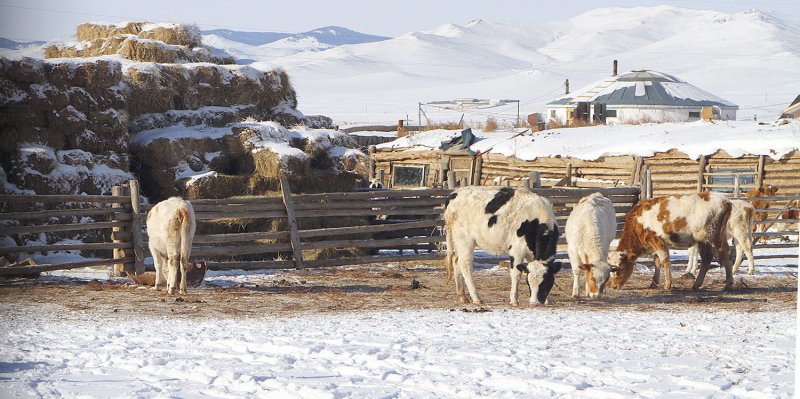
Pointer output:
543, 352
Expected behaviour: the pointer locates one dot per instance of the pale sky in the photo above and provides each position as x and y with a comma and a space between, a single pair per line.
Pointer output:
52, 19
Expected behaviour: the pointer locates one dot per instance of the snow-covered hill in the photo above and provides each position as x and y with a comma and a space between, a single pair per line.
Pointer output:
750, 58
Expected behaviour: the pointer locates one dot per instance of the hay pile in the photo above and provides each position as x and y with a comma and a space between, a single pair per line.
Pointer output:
140, 41
75, 111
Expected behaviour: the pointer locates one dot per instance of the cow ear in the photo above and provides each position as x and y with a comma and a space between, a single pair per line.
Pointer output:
774, 189
616, 269
585, 267
554, 267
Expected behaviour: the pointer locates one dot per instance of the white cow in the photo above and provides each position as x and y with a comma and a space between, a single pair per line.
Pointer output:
502, 221
740, 228
591, 226
170, 226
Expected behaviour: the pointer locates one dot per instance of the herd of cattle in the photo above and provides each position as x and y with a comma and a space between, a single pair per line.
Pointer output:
522, 225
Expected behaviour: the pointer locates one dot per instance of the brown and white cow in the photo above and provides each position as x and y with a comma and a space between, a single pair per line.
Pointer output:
591, 226
740, 230
676, 221
502, 221
768, 191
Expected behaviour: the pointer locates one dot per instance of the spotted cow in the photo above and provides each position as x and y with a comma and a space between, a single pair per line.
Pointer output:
502, 221
676, 221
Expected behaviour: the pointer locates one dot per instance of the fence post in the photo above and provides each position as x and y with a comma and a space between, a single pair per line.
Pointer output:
533, 180
292, 221
760, 174
380, 177
118, 270
136, 229
649, 182
569, 175
371, 150
451, 180
476, 177
638, 162
701, 169
735, 186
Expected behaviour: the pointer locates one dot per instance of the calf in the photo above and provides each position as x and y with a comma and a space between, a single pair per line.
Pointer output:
793, 223
193, 278
170, 226
739, 228
591, 226
502, 221
675, 221
768, 191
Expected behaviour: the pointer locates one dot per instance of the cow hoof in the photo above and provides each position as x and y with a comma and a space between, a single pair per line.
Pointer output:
463, 300
477, 302
653, 285
182, 292
728, 287
750, 273
515, 304
689, 276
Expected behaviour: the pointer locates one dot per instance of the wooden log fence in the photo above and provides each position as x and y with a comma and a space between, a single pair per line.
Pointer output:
379, 224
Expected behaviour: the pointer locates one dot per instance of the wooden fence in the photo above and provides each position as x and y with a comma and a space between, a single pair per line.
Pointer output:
374, 226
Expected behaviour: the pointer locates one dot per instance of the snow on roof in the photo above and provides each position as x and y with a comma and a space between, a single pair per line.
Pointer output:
643, 87
695, 139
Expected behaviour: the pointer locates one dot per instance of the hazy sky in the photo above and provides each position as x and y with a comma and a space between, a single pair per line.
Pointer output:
51, 19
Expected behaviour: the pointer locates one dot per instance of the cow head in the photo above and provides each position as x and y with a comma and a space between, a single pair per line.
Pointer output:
375, 183
596, 278
541, 277
196, 273
621, 267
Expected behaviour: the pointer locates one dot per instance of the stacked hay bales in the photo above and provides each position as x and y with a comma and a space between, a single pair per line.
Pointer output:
64, 125
140, 41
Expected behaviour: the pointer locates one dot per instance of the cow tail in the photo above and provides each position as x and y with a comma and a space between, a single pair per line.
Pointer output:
748, 220
187, 225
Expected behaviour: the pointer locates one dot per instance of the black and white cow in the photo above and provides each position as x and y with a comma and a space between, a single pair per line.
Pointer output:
502, 221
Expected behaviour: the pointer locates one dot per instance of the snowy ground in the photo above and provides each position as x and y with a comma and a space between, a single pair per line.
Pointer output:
528, 352
563, 350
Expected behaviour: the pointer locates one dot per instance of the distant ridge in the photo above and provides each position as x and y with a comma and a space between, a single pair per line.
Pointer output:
14, 45
330, 35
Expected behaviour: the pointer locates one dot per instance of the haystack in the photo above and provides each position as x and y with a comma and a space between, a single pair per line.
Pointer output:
91, 31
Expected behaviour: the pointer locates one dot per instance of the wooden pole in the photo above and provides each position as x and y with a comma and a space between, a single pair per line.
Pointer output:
701, 169
292, 221
649, 180
638, 162
451, 180
569, 175
735, 186
476, 177
380, 177
760, 172
534, 181
118, 270
136, 229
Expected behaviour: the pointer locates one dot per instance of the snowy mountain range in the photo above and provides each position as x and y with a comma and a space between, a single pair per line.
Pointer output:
750, 58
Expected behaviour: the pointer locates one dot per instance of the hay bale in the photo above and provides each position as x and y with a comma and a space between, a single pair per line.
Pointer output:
217, 186
151, 51
179, 34
92, 31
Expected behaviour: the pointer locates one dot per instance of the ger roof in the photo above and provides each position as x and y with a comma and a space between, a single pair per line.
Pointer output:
643, 87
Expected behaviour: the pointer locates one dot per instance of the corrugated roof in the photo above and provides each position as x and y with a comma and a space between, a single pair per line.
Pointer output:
644, 88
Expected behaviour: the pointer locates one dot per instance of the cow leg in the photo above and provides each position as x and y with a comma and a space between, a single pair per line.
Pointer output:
745, 245
706, 253
575, 263
161, 267
725, 260
184, 275
459, 282
465, 266
691, 267
514, 295
172, 278
667, 271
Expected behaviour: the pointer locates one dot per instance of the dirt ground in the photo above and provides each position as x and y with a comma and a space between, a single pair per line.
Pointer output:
377, 287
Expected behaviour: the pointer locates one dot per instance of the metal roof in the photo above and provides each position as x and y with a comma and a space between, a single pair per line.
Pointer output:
644, 88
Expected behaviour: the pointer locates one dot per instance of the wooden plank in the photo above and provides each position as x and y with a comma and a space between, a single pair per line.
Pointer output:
378, 259
5, 271
118, 270
235, 250
67, 247
136, 229
239, 237
238, 200
239, 215
776, 233
57, 213
381, 194
251, 265
238, 207
61, 227
292, 220
102, 199
371, 243
376, 203
365, 212
334, 231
